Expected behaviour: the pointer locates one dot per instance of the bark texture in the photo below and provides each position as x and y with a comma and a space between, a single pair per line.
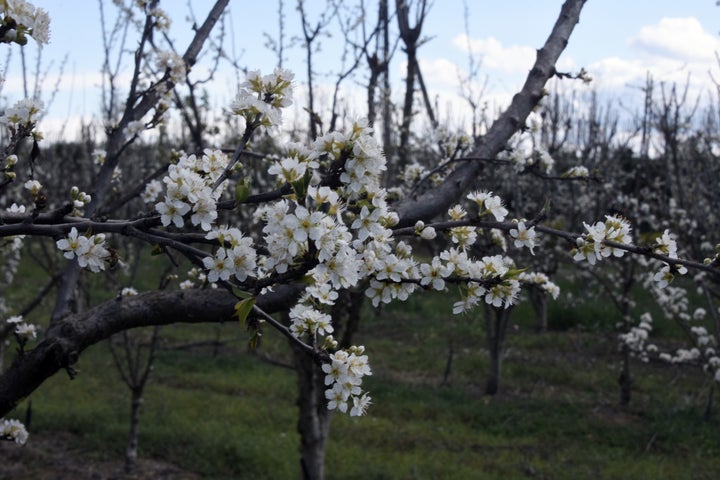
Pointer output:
436, 201
70, 336
314, 417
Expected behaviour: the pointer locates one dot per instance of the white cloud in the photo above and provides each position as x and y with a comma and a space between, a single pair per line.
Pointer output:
679, 38
441, 73
616, 72
672, 51
442, 79
495, 56
67, 128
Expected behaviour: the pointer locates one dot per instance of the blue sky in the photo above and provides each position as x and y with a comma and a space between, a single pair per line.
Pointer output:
617, 41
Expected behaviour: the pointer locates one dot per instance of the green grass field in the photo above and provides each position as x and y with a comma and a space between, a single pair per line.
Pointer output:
227, 414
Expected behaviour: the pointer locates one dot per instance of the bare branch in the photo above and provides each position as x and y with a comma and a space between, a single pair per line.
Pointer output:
436, 201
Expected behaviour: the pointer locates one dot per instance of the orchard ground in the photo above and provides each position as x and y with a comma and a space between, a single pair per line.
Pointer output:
216, 410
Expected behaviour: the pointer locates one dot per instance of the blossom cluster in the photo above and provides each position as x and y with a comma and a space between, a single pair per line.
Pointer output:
489, 204
578, 171
344, 230
21, 18
412, 173
344, 374
189, 190
492, 279
341, 232
25, 112
10, 162
704, 352
527, 150
10, 251
134, 127
665, 245
541, 281
673, 300
79, 199
23, 330
495, 280
128, 292
675, 303
11, 429
90, 250
592, 245
261, 97
162, 19
173, 65
235, 258
636, 339
448, 146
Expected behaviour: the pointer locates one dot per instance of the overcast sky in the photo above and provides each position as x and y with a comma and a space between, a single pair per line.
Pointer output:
617, 42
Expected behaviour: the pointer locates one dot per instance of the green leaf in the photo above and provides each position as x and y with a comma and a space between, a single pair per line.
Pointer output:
243, 309
514, 272
307, 280
242, 190
300, 187
242, 294
255, 340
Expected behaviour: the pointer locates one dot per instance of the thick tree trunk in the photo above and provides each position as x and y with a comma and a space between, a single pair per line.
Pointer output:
492, 383
346, 315
314, 417
64, 342
131, 451
496, 320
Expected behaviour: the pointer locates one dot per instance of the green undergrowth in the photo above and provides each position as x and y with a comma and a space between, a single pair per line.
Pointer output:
216, 408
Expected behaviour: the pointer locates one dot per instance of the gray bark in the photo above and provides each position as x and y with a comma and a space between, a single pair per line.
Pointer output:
496, 321
436, 201
131, 451
116, 144
314, 417
69, 337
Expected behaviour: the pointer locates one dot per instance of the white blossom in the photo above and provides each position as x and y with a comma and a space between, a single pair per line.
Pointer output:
13, 430
523, 236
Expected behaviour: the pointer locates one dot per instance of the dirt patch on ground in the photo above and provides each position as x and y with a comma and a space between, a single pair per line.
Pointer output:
52, 456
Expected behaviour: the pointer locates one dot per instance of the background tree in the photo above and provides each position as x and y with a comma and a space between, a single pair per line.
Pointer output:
317, 227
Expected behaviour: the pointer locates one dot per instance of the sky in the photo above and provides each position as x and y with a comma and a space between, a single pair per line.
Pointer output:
617, 42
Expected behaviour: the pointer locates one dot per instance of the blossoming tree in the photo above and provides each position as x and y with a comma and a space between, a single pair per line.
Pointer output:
325, 224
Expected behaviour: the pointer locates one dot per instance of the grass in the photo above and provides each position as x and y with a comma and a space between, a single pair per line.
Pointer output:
231, 415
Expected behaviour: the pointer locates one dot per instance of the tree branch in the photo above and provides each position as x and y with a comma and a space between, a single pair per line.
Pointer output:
67, 338
437, 201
